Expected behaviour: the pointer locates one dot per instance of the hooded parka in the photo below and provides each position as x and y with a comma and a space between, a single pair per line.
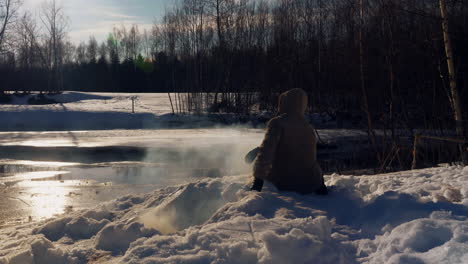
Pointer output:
288, 154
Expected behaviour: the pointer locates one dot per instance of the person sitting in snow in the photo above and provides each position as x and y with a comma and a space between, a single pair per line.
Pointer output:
287, 156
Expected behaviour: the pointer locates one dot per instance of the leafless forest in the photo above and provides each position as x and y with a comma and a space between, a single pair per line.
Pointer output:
384, 64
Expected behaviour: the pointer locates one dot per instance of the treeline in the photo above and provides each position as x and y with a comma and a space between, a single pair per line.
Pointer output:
384, 58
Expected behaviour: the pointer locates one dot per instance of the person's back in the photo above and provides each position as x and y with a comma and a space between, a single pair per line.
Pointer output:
287, 156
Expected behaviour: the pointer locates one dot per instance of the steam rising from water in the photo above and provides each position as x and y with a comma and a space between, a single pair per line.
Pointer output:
162, 158
195, 203
219, 154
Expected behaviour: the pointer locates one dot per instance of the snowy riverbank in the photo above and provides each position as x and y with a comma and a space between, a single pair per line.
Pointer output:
406, 217
100, 111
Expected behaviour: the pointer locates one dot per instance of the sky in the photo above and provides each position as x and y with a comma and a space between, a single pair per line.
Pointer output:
98, 17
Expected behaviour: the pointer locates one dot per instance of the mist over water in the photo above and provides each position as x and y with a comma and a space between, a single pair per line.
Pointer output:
142, 154
181, 154
135, 157
204, 160
104, 165
197, 202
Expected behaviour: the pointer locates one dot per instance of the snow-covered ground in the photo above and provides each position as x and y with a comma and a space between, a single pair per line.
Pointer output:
91, 111
78, 111
407, 217
47, 173
156, 103
86, 111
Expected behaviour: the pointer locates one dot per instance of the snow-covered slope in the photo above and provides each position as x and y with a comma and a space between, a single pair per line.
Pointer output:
407, 217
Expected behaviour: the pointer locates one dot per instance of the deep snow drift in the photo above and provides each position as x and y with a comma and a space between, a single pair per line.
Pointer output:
407, 217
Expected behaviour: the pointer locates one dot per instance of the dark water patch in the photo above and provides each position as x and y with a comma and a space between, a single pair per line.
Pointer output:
11, 169
41, 99
73, 154
212, 161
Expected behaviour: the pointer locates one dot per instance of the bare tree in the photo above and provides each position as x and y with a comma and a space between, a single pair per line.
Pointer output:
92, 50
54, 22
134, 42
127, 41
113, 49
156, 40
221, 12
26, 38
455, 96
80, 53
146, 44
69, 50
8, 14
102, 52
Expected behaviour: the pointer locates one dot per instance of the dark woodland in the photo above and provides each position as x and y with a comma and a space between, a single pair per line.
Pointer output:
382, 62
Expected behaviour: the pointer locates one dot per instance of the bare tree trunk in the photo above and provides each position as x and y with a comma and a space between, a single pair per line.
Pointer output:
370, 130
170, 100
54, 22
218, 23
8, 15
455, 100
5, 22
319, 44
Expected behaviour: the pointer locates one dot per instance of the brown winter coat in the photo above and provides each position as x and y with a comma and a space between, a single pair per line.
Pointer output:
288, 154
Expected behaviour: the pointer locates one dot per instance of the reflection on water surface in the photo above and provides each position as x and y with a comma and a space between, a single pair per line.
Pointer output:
30, 193
88, 168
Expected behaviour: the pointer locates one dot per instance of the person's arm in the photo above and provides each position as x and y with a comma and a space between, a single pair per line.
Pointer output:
252, 155
264, 160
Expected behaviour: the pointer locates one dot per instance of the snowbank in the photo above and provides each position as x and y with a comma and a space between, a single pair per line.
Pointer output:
94, 111
407, 217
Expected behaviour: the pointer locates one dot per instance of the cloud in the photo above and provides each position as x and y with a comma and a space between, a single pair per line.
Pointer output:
101, 30
107, 12
98, 17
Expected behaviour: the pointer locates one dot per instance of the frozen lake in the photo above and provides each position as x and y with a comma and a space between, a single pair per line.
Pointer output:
43, 174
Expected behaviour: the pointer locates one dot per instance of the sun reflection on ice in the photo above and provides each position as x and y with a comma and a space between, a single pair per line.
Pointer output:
48, 198
25, 163
34, 175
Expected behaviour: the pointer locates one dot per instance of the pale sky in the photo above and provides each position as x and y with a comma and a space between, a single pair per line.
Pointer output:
98, 17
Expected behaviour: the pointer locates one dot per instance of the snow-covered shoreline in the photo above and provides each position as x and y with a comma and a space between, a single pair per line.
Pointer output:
95, 111
99, 111
406, 217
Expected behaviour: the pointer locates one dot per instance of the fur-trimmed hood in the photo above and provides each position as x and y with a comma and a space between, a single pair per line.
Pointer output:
293, 102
